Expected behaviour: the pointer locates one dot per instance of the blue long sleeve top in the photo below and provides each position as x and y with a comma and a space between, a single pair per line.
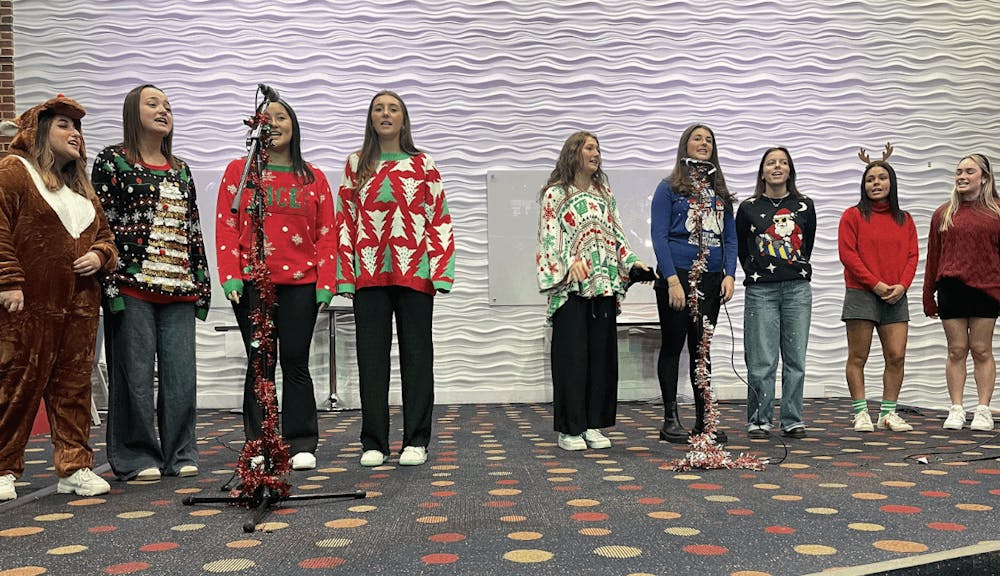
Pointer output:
674, 243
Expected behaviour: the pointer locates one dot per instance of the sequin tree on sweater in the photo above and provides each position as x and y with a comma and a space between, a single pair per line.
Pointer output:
153, 213
395, 228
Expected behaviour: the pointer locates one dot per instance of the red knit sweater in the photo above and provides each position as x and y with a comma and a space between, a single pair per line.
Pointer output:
299, 229
969, 251
878, 249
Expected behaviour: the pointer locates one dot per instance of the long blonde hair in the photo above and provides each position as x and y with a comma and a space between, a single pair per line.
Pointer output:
987, 200
73, 174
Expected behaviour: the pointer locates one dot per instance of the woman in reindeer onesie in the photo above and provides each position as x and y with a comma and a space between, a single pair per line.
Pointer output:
54, 239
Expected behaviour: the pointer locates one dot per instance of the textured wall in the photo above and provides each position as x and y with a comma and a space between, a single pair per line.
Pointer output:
500, 83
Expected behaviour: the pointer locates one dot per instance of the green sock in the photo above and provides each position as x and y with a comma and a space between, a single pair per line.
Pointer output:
859, 406
887, 406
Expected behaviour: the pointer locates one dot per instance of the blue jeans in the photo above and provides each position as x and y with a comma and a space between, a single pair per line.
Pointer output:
776, 317
142, 336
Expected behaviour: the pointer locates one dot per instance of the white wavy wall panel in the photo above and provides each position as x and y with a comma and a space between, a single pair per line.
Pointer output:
502, 83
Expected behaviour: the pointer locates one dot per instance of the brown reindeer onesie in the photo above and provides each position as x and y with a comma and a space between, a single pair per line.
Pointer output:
47, 349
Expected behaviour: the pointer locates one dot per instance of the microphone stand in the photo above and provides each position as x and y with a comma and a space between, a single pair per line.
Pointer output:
263, 462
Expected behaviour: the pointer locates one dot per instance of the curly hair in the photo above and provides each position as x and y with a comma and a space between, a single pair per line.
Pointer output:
568, 164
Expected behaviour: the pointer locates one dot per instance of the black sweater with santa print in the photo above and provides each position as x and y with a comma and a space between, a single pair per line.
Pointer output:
775, 238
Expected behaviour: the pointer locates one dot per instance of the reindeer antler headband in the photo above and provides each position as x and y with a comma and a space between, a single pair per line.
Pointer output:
885, 155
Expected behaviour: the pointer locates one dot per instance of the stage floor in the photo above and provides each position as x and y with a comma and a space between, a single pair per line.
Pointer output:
497, 496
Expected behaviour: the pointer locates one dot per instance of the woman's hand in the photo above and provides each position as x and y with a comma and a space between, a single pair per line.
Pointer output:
88, 264
642, 266
728, 288
12, 300
675, 293
894, 294
233, 297
579, 270
881, 290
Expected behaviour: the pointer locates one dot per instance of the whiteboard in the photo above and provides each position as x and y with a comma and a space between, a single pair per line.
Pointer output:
512, 229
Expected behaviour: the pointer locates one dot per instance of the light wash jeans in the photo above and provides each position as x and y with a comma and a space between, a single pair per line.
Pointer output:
776, 317
142, 336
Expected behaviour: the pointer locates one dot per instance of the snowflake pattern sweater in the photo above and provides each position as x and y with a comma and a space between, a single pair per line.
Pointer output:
299, 241
878, 249
572, 224
153, 213
969, 250
395, 228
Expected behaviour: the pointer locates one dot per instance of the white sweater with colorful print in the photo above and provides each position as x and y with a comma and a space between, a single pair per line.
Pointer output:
572, 224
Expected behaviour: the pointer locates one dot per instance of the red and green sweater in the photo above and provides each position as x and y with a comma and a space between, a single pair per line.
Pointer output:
395, 228
299, 241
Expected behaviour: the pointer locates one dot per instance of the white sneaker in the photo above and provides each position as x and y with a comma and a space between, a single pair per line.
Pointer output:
303, 461
983, 419
894, 422
372, 458
595, 439
956, 418
413, 456
7, 491
567, 442
863, 422
83, 482
148, 475
187, 471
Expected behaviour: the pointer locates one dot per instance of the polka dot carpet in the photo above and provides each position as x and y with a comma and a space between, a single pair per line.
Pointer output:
497, 496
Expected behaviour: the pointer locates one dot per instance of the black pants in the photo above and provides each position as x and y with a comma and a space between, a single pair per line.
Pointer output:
676, 326
584, 364
373, 312
294, 316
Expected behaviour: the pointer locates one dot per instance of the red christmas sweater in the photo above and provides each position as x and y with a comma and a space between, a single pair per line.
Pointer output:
299, 241
395, 228
878, 249
969, 250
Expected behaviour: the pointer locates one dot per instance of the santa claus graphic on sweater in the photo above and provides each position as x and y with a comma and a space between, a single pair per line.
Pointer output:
783, 239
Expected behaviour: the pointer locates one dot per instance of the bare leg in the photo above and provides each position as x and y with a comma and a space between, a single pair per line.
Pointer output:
984, 365
893, 337
859, 344
956, 331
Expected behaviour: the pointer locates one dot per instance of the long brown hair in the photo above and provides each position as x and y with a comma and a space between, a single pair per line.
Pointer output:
371, 150
680, 178
987, 200
789, 186
72, 174
568, 163
132, 126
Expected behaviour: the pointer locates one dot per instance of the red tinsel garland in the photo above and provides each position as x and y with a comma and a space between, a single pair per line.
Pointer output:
270, 444
705, 452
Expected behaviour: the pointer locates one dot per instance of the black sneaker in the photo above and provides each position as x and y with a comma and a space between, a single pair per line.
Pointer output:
759, 433
797, 432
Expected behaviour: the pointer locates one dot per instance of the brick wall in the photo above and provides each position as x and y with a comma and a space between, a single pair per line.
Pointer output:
6, 66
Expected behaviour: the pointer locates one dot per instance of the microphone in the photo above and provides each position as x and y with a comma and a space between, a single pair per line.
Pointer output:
270, 94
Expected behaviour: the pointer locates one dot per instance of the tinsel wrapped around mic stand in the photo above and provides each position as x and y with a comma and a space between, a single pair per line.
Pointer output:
263, 462
705, 451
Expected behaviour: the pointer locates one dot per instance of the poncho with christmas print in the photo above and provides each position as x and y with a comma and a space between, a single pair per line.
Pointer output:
574, 223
